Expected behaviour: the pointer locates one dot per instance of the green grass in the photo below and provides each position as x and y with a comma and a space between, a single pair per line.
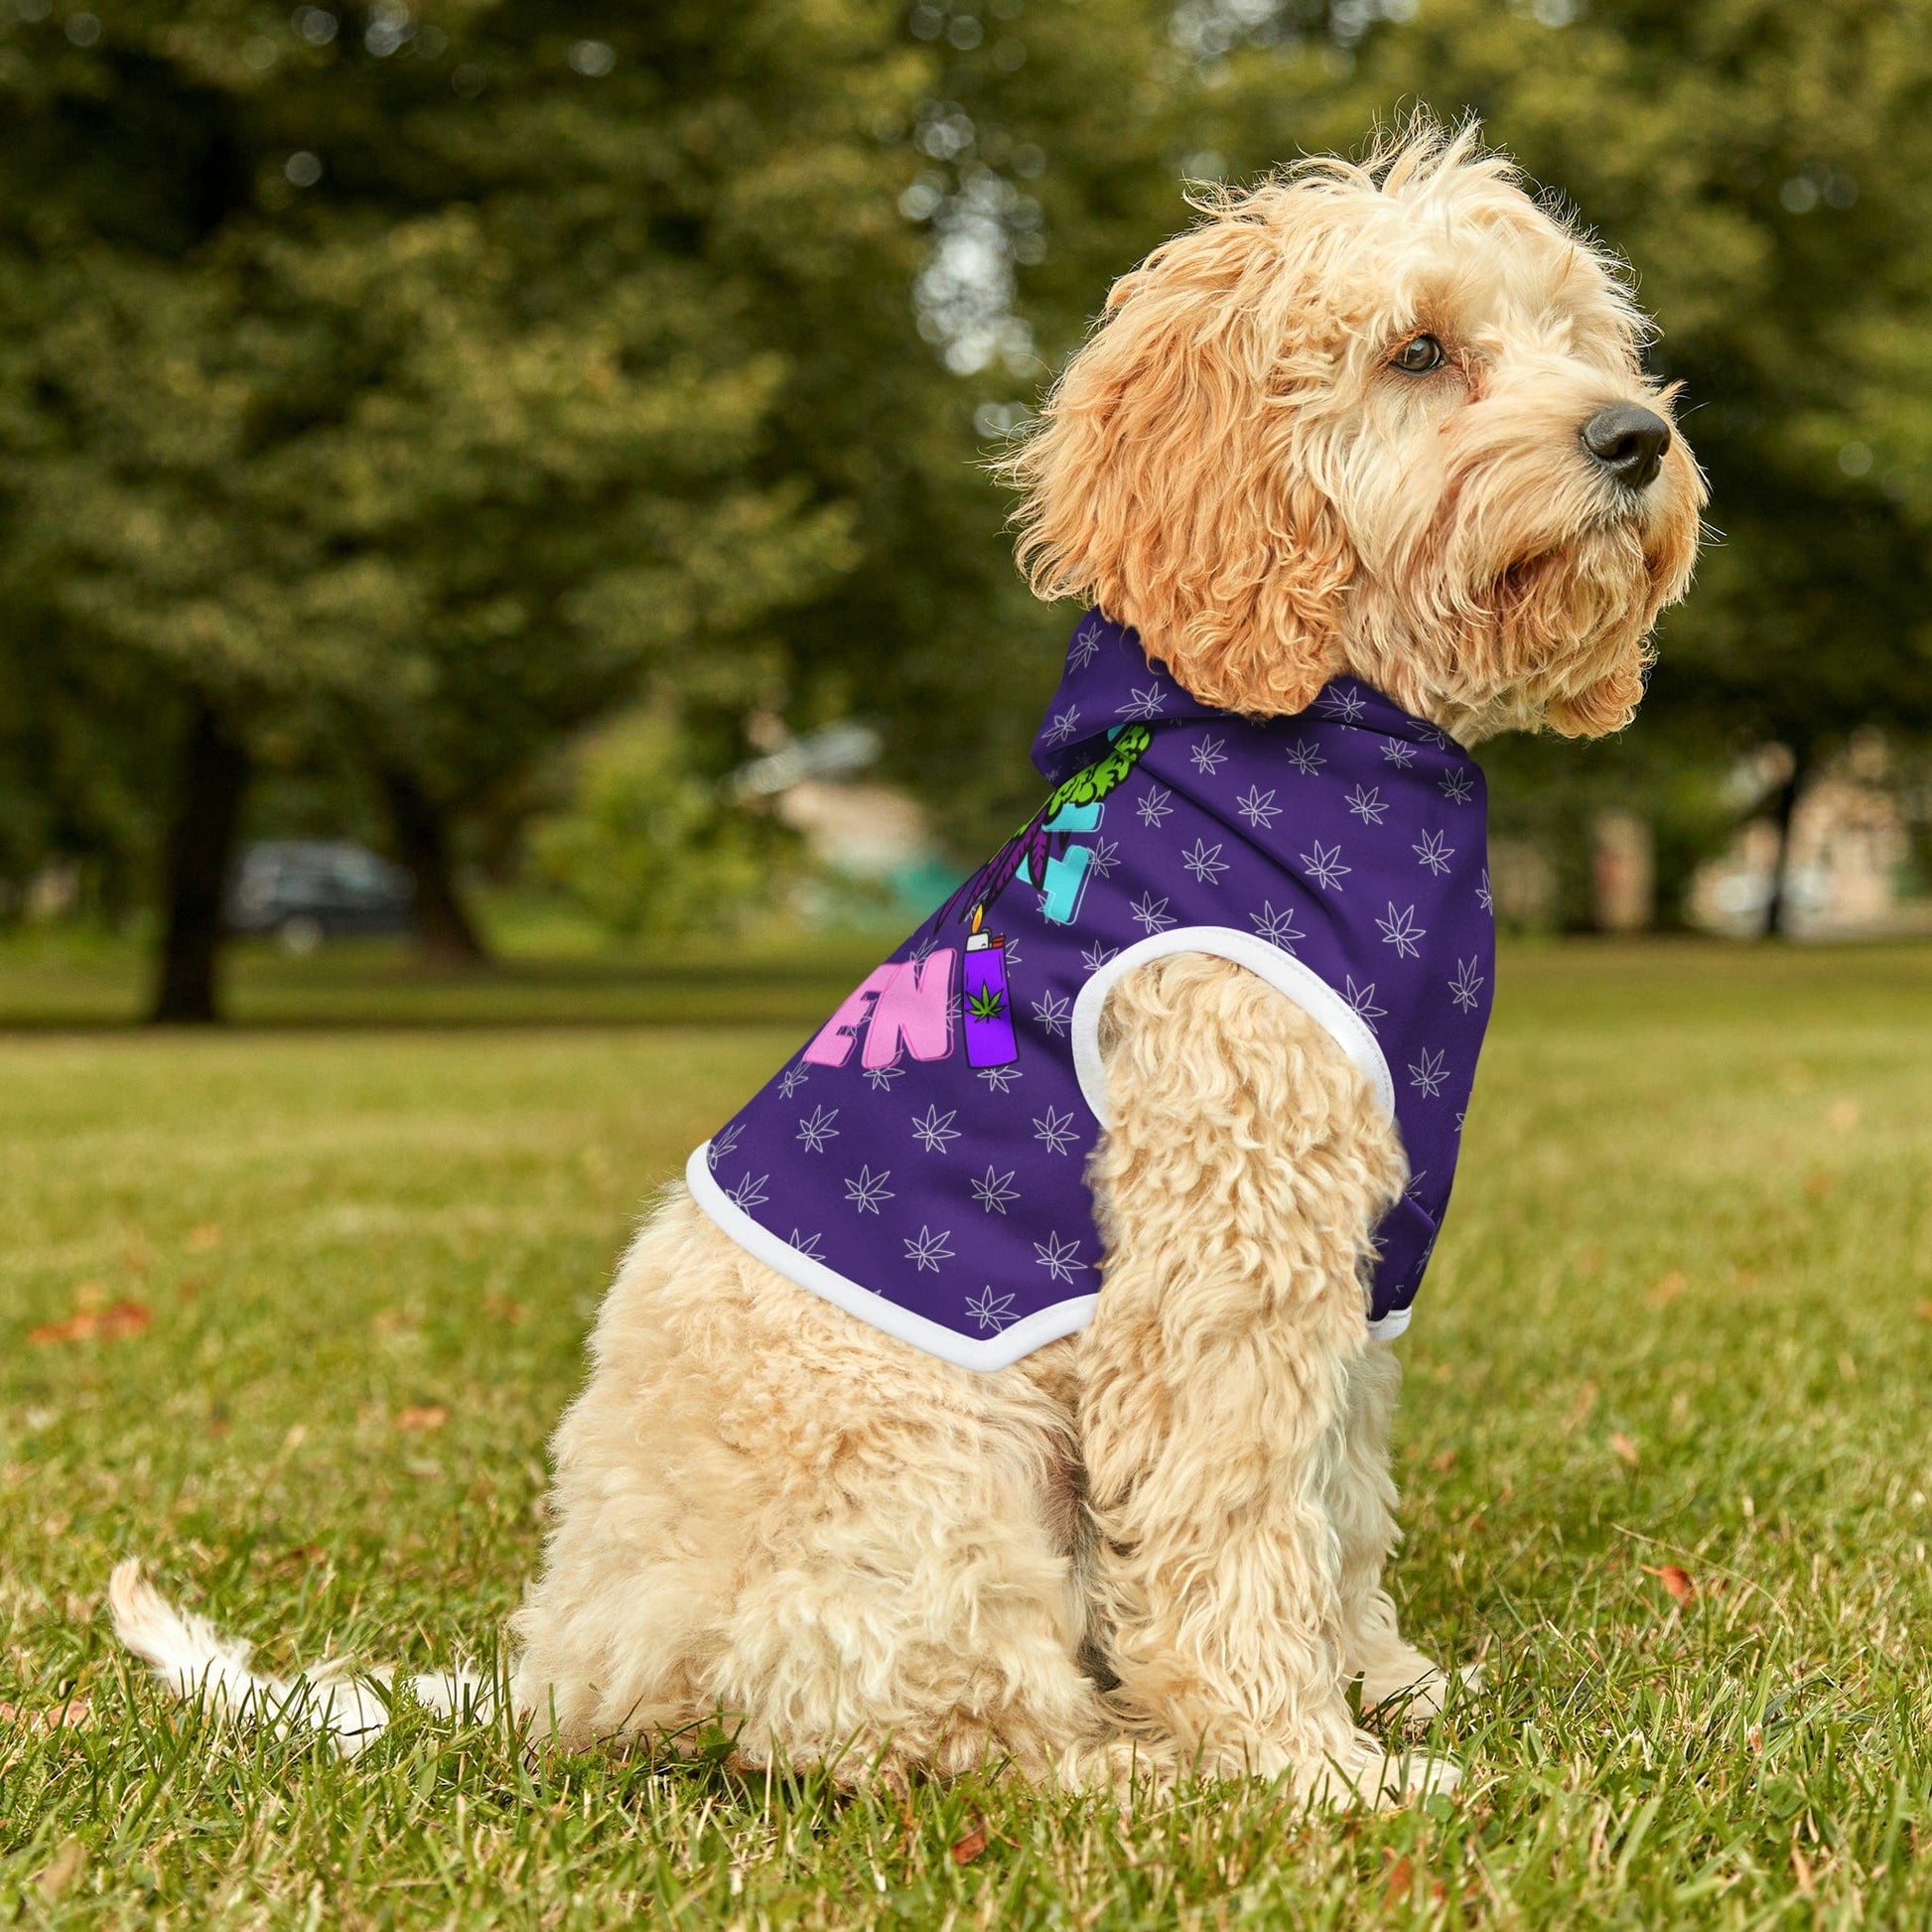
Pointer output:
63, 979
1676, 1319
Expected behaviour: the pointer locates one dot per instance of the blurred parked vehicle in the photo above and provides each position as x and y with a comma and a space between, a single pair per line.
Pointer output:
306, 891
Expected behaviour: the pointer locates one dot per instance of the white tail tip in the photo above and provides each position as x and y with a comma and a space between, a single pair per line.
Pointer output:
196, 1661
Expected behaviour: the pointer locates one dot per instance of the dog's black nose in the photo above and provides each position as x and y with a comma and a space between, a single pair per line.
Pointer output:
1629, 442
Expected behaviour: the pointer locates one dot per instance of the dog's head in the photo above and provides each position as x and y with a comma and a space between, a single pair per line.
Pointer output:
1386, 419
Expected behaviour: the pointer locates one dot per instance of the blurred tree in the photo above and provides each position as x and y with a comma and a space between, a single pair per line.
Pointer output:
649, 847
405, 387
415, 382
1046, 150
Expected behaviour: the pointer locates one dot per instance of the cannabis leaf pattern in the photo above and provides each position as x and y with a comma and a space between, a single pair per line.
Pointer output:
866, 1189
1298, 865
933, 1130
1206, 863
927, 1250
1326, 868
988, 1002
989, 1311
1465, 989
1064, 727
1278, 928
992, 1191
1141, 706
1086, 644
1152, 914
1059, 1258
1429, 1073
1258, 807
1055, 1013
1399, 931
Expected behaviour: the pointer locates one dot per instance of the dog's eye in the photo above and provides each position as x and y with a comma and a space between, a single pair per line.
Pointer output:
1418, 355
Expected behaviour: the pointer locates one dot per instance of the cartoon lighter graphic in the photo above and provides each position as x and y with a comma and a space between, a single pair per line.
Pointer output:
987, 1010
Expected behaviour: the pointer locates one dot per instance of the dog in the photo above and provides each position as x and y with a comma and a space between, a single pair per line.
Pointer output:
1368, 435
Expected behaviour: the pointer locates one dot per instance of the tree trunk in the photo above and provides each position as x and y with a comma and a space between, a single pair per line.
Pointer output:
1777, 906
199, 851
445, 932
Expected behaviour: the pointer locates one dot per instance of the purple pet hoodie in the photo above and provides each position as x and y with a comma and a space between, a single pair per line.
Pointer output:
922, 1160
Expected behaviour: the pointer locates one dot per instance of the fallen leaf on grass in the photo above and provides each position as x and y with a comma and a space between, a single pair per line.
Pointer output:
1925, 1310
1818, 1185
1398, 1884
1669, 1289
1677, 1582
75, 1715
1444, 1463
94, 1324
965, 1850
204, 1240
430, 1416
62, 1869
501, 1307
1624, 1448
1842, 1115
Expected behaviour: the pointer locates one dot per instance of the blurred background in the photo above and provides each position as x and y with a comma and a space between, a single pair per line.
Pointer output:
497, 490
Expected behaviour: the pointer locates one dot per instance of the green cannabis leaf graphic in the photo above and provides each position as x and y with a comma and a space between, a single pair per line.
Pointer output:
988, 1002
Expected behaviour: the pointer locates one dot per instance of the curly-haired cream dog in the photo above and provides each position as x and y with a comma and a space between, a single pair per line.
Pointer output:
1375, 426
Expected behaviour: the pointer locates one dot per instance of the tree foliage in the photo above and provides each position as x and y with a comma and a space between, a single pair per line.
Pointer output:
417, 387
647, 847
405, 388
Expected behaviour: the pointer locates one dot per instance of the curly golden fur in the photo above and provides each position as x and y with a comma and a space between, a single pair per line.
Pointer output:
1231, 466
1152, 1547
1157, 1546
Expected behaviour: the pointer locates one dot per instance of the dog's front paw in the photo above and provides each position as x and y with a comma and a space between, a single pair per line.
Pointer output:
1367, 1773
1411, 1692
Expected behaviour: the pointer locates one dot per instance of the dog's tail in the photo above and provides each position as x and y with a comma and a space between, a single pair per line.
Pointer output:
194, 1660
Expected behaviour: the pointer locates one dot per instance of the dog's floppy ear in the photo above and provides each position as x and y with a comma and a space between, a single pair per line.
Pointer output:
1166, 481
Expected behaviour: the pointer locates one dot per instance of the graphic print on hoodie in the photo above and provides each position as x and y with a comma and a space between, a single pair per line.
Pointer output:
920, 1162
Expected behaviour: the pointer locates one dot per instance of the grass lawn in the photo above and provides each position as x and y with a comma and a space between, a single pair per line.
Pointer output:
336, 1283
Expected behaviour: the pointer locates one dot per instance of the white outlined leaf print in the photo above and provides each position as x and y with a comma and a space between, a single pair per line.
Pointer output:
866, 1189
1399, 931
